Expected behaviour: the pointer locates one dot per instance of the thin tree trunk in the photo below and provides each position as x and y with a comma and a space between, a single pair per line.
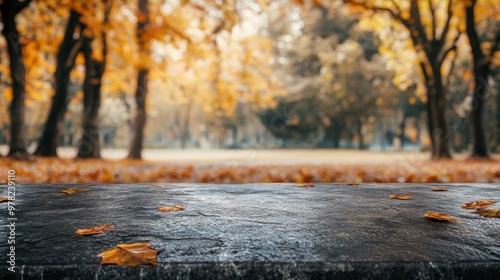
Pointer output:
402, 127
359, 127
17, 143
185, 129
68, 50
140, 115
136, 144
481, 75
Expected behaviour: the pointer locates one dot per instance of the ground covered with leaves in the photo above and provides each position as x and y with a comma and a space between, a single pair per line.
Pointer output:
44, 170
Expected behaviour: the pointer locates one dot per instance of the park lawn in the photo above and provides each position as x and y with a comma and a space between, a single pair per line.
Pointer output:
55, 170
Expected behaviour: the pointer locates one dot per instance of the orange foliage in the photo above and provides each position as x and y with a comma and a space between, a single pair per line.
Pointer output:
130, 255
130, 171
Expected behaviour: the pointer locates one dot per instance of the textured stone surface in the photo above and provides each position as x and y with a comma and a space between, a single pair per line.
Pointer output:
255, 231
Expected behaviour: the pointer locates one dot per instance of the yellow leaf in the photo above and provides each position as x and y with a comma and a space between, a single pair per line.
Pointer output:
94, 230
130, 255
439, 189
479, 204
74, 190
489, 213
305, 185
4, 199
170, 208
441, 217
401, 196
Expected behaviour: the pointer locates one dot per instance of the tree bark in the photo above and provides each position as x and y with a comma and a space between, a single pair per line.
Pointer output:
68, 50
439, 132
140, 115
17, 142
136, 144
89, 146
481, 74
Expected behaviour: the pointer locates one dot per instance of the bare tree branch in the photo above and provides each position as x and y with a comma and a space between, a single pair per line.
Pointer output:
415, 14
432, 9
396, 6
452, 47
446, 28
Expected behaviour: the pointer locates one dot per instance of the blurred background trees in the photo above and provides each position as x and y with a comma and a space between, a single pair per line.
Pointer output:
382, 75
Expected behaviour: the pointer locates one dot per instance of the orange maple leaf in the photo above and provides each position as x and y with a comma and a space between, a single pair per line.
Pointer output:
94, 230
401, 196
130, 255
170, 208
74, 190
479, 204
441, 216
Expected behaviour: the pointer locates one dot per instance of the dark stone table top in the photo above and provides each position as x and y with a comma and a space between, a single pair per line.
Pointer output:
254, 231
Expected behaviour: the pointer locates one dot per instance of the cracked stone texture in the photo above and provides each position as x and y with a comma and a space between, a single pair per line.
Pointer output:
255, 231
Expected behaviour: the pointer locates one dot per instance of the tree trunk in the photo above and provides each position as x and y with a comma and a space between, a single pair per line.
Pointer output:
17, 143
69, 48
140, 115
359, 127
402, 127
142, 87
185, 129
89, 146
481, 75
436, 110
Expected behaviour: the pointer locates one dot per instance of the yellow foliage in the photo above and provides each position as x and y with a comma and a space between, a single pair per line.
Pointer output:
7, 93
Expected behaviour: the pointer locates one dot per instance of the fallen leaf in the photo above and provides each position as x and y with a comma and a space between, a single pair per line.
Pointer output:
305, 185
94, 230
440, 189
489, 213
401, 196
479, 204
4, 199
353, 183
170, 208
74, 190
441, 216
130, 255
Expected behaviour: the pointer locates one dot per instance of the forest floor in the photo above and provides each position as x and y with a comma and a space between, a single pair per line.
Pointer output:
246, 166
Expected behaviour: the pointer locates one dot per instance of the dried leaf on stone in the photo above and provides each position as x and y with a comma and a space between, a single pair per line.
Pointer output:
441, 216
354, 183
130, 255
489, 213
4, 199
479, 204
305, 185
171, 208
440, 189
74, 190
401, 196
94, 230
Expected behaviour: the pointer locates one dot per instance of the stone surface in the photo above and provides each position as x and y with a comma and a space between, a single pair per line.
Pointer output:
255, 231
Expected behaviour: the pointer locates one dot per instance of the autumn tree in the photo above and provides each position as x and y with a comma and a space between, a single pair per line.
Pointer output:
68, 50
482, 60
431, 26
9, 10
